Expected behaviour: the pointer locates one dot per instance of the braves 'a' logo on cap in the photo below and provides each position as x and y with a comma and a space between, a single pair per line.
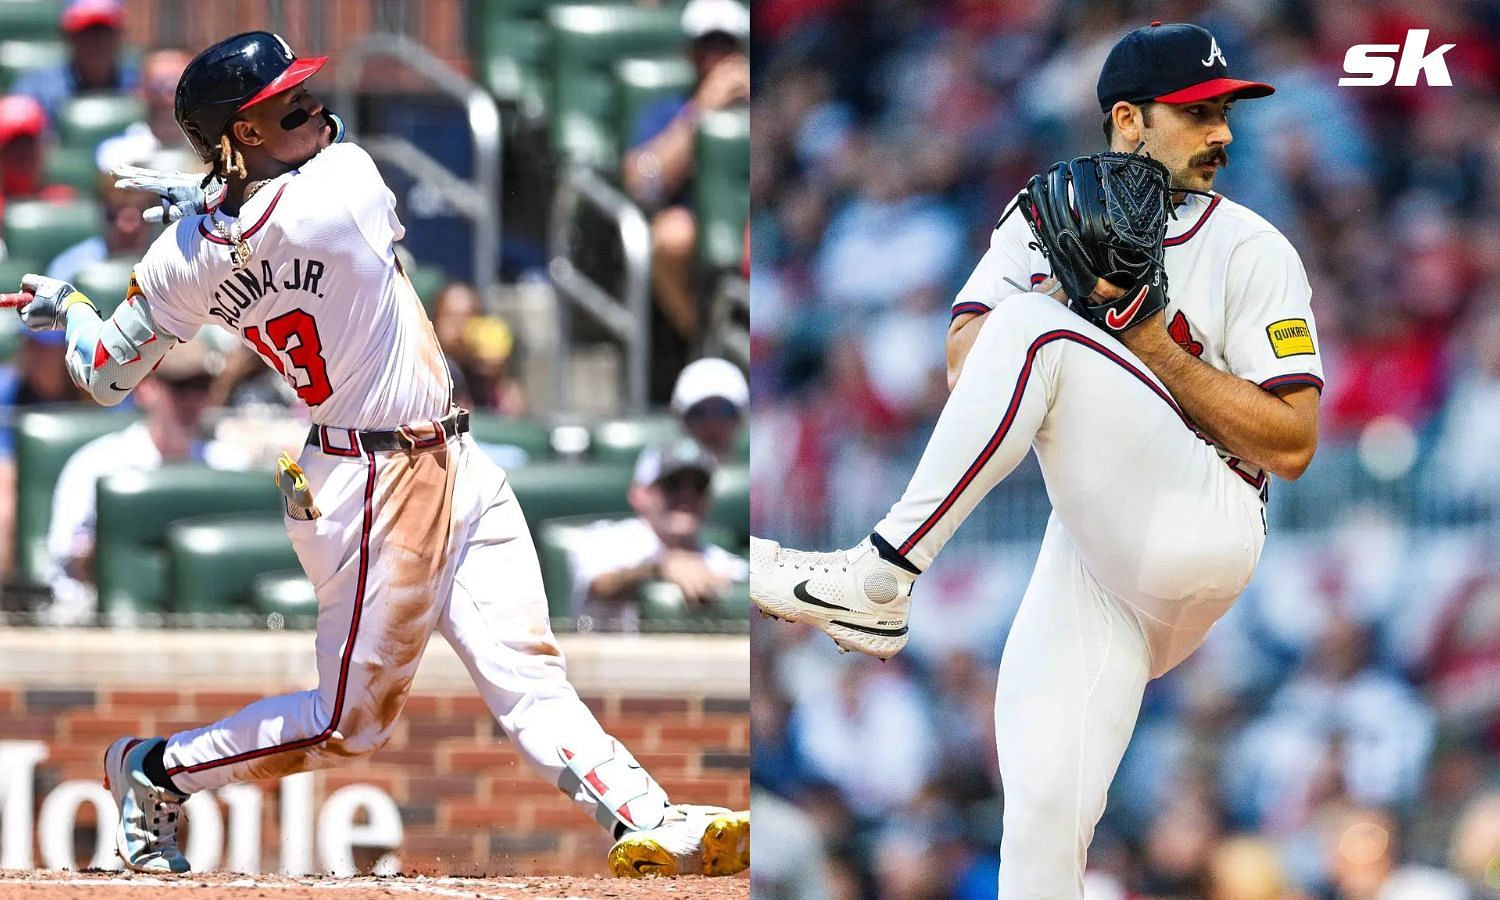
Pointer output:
1214, 53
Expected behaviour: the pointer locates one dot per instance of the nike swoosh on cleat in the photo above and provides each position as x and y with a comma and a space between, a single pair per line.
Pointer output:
800, 592
115, 386
644, 866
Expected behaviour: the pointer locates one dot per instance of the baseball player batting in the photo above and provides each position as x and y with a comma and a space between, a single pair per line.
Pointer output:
1184, 375
402, 524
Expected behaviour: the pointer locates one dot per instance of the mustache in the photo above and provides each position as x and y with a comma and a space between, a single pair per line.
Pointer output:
1217, 155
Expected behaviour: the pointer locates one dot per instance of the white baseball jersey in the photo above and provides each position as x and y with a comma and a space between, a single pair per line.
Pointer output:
1238, 296
321, 300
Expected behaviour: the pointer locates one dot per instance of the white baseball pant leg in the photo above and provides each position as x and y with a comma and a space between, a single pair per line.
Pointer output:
409, 542
381, 558
1152, 538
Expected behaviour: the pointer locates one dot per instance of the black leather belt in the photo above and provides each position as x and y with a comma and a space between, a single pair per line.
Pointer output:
348, 442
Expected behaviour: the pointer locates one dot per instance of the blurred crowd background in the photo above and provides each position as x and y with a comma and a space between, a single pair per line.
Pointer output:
1336, 736
526, 140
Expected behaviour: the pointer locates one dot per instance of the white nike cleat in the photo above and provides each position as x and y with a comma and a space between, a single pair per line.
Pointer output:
146, 838
854, 596
691, 840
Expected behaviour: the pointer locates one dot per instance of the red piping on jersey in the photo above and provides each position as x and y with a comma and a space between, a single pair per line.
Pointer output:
970, 307
338, 699
1187, 235
1010, 414
1297, 378
215, 239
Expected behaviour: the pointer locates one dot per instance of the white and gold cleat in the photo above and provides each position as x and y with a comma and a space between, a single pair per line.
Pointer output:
691, 840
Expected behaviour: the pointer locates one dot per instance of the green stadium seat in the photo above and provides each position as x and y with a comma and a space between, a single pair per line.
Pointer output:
44, 440
589, 40
105, 282
87, 119
664, 609
621, 440
136, 510
287, 592
40, 229
556, 537
721, 187
214, 561
427, 281
512, 45
29, 19
13, 269
551, 490
11, 272
731, 507
528, 434
18, 56
642, 82
72, 166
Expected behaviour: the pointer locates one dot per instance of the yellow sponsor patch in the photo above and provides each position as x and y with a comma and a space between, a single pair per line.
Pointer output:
1290, 337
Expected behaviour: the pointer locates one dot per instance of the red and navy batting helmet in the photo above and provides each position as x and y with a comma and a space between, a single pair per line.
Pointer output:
233, 75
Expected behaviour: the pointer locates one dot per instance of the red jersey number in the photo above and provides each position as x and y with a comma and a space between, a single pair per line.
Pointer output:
305, 353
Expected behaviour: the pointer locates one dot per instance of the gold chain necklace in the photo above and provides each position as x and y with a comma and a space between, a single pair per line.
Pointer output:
239, 248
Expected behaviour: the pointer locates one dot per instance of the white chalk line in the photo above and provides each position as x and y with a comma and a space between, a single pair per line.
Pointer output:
435, 888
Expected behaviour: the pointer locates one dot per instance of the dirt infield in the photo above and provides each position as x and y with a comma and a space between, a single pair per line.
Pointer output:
54, 885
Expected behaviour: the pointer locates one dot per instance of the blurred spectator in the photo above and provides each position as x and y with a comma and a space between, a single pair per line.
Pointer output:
174, 401
158, 134
710, 397
480, 350
94, 32
658, 170
1246, 868
38, 376
790, 856
671, 495
124, 233
22, 124
1342, 726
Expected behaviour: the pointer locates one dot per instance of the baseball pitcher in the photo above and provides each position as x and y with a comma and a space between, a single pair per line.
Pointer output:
1181, 375
401, 523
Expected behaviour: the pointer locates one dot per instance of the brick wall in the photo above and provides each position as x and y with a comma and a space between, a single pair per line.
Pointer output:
466, 803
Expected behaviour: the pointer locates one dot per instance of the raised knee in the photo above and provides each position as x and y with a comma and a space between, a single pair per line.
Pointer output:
360, 741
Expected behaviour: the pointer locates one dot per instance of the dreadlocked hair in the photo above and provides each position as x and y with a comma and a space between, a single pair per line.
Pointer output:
230, 160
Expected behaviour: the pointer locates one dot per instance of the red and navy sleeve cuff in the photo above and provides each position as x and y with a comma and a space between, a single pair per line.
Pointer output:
1296, 378
960, 309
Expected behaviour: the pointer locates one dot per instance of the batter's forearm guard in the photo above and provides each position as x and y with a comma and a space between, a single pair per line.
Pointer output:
108, 358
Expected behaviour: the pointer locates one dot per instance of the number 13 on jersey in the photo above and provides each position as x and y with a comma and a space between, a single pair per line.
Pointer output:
291, 345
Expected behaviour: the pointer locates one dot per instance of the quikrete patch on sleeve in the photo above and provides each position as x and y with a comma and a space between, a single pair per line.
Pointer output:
1290, 337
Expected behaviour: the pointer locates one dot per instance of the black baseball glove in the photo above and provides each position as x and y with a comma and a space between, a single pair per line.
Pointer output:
1104, 217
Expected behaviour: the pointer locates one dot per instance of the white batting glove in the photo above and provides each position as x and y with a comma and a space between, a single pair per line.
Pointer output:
42, 302
181, 193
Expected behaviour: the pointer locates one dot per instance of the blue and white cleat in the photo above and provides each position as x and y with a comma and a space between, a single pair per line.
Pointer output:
146, 838
854, 596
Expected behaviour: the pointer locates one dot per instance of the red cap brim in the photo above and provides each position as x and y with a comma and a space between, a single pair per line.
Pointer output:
1217, 87
296, 73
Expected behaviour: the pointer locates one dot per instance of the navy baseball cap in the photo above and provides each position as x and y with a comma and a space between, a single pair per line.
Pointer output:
1177, 63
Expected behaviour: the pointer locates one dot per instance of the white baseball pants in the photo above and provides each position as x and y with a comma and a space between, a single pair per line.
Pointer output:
1152, 537
409, 542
